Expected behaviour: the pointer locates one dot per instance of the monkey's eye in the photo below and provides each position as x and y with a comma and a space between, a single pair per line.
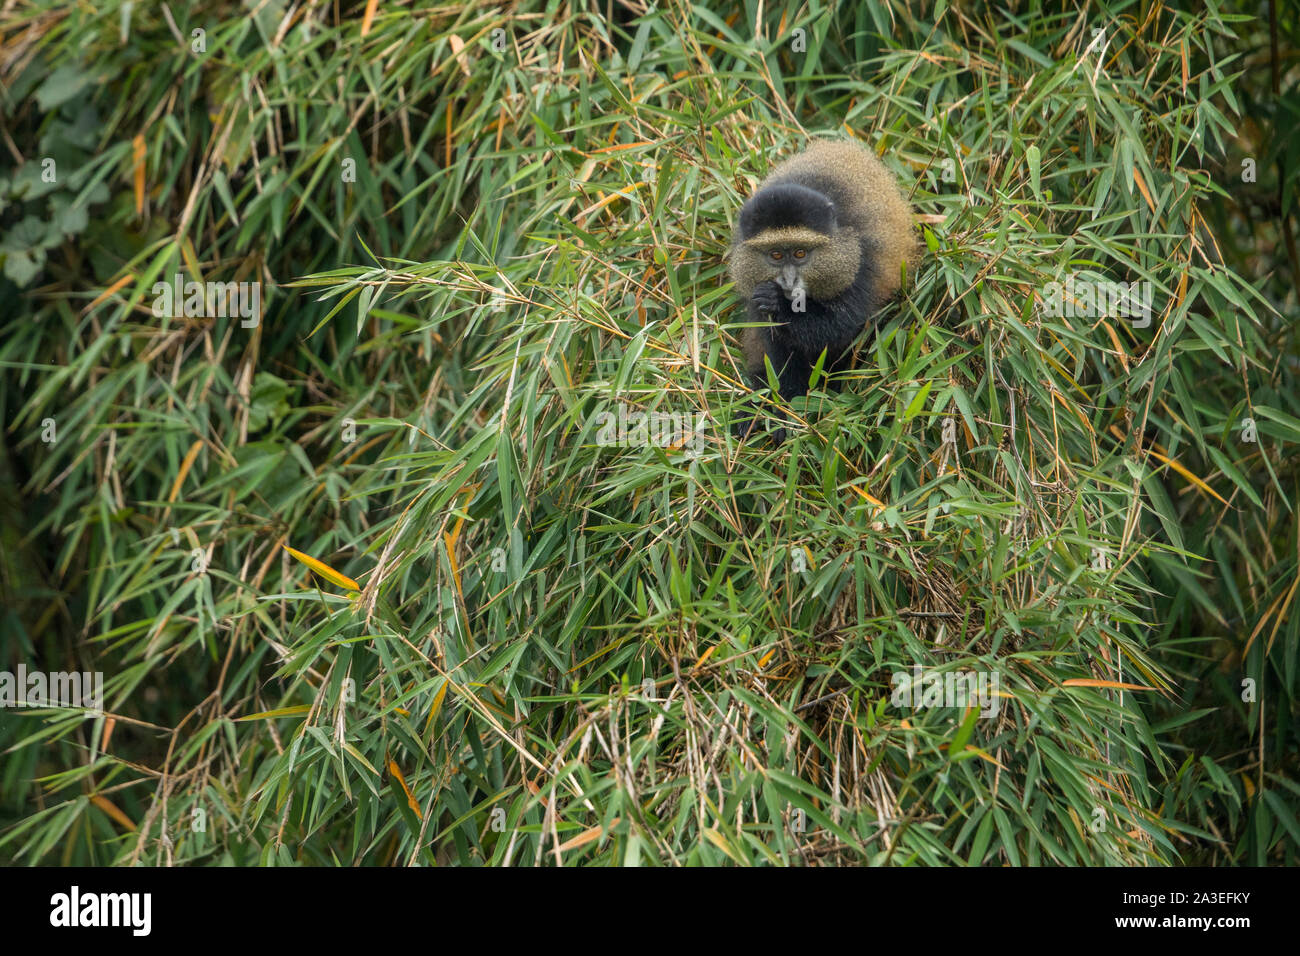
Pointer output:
799, 253
777, 256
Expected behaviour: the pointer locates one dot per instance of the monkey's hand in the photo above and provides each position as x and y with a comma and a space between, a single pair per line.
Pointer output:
744, 426
766, 297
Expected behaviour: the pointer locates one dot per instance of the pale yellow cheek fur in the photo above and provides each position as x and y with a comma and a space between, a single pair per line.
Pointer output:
834, 264
787, 236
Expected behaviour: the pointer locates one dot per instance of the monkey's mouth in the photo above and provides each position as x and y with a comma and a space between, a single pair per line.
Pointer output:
791, 285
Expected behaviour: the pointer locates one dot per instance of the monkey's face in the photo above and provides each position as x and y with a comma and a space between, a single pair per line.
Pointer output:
789, 257
788, 264
801, 262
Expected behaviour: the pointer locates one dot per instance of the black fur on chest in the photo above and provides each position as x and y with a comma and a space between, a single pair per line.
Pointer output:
833, 325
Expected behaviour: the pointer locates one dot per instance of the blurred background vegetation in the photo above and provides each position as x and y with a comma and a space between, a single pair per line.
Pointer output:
478, 227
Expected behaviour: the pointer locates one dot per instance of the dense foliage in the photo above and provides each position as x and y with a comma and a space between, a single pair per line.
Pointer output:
371, 576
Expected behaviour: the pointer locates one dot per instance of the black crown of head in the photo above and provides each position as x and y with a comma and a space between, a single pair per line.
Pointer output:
784, 205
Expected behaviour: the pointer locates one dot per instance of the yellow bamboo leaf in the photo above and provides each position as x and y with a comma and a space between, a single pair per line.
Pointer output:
1276, 624
619, 147
586, 836
363, 761
186, 464
1114, 340
1260, 625
599, 654
108, 807
1154, 451
450, 540
128, 278
449, 136
191, 259
1142, 187
872, 499
986, 756
137, 156
458, 51
369, 17
294, 711
1090, 682
718, 840
324, 570
704, 657
1068, 406
410, 800
602, 203
1186, 474
436, 705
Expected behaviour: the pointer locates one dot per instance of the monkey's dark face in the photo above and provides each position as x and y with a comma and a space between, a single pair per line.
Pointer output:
802, 262
789, 262
792, 234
